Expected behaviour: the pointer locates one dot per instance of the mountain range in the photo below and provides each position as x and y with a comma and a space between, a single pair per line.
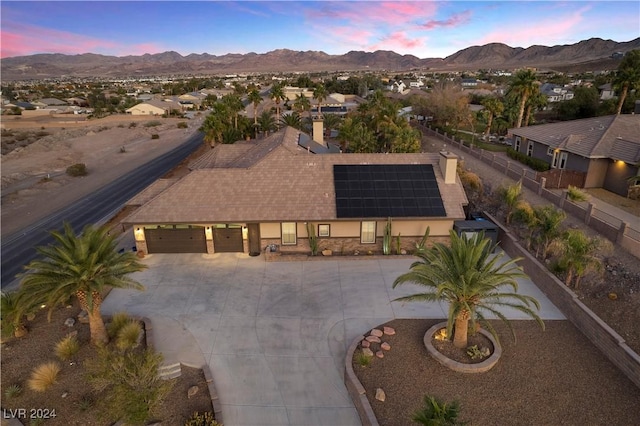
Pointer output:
586, 55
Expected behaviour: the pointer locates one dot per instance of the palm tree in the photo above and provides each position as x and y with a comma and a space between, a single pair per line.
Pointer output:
255, 98
546, 228
234, 104
277, 95
293, 120
472, 280
494, 108
82, 266
320, 94
266, 123
523, 86
577, 254
510, 197
302, 104
331, 121
535, 102
628, 76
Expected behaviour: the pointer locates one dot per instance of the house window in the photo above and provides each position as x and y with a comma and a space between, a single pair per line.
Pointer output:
288, 233
554, 161
530, 149
368, 232
323, 230
549, 151
563, 160
516, 144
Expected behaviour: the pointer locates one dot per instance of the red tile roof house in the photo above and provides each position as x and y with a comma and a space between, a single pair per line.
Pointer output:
605, 150
252, 194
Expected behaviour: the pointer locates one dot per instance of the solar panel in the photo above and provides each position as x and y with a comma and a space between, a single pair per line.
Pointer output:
382, 190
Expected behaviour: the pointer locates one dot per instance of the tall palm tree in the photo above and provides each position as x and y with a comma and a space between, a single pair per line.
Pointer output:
255, 98
302, 104
331, 121
578, 254
234, 104
535, 102
628, 76
82, 266
320, 94
277, 95
494, 108
523, 86
471, 280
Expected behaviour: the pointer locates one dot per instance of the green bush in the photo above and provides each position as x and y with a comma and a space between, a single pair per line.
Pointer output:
153, 123
535, 163
183, 125
67, 348
118, 320
132, 124
202, 419
155, 136
78, 169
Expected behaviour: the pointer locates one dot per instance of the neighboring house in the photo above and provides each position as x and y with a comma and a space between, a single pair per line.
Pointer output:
469, 82
397, 86
154, 107
606, 92
416, 84
556, 93
253, 194
292, 92
49, 102
606, 150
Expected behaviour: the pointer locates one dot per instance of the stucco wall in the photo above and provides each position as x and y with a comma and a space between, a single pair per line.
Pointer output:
596, 173
617, 174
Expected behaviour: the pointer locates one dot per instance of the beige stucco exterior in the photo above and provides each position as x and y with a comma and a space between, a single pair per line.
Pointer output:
145, 109
596, 173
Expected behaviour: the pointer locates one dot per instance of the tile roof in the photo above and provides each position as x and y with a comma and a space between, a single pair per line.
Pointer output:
286, 184
150, 192
589, 137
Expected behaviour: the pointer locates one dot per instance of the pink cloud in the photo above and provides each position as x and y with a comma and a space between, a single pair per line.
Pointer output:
398, 42
453, 21
29, 40
374, 13
547, 31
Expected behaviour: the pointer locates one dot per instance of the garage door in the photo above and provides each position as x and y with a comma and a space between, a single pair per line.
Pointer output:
181, 240
227, 240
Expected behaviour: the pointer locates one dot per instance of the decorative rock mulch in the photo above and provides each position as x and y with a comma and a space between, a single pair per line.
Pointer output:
374, 344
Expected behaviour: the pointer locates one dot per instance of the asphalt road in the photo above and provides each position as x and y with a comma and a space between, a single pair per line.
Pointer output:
18, 249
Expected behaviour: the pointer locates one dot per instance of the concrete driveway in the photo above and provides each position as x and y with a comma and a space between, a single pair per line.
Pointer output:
274, 334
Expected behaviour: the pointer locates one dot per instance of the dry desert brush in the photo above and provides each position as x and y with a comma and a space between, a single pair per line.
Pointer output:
43, 376
67, 348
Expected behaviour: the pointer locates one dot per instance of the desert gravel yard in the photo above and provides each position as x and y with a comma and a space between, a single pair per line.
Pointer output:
552, 377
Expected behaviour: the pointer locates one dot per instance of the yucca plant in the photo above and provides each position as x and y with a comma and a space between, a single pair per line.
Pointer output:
129, 335
43, 376
437, 413
12, 391
67, 348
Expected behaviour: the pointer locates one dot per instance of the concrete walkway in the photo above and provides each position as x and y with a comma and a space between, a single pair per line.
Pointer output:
274, 334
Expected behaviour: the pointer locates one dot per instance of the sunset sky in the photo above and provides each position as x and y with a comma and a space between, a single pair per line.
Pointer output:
421, 28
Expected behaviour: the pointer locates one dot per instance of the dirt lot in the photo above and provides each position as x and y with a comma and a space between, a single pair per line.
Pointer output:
39, 151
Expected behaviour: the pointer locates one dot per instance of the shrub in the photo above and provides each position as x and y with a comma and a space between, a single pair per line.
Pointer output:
43, 376
155, 136
362, 359
78, 169
576, 195
132, 124
129, 335
118, 320
437, 413
183, 125
153, 123
202, 419
12, 391
42, 134
535, 163
67, 348
129, 384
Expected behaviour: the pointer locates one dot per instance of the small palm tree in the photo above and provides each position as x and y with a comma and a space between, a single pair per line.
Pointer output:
468, 277
292, 120
494, 108
266, 123
578, 255
510, 197
82, 266
302, 104
331, 121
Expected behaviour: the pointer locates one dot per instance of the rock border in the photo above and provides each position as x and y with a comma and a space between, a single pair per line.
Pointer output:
356, 390
460, 367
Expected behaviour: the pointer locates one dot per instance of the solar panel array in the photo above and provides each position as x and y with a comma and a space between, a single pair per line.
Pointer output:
387, 190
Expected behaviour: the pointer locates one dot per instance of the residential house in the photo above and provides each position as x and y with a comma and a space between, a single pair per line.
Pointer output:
397, 86
606, 92
556, 93
604, 150
154, 107
251, 195
469, 82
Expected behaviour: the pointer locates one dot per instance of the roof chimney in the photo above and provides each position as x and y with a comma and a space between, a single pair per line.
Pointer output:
318, 130
448, 166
